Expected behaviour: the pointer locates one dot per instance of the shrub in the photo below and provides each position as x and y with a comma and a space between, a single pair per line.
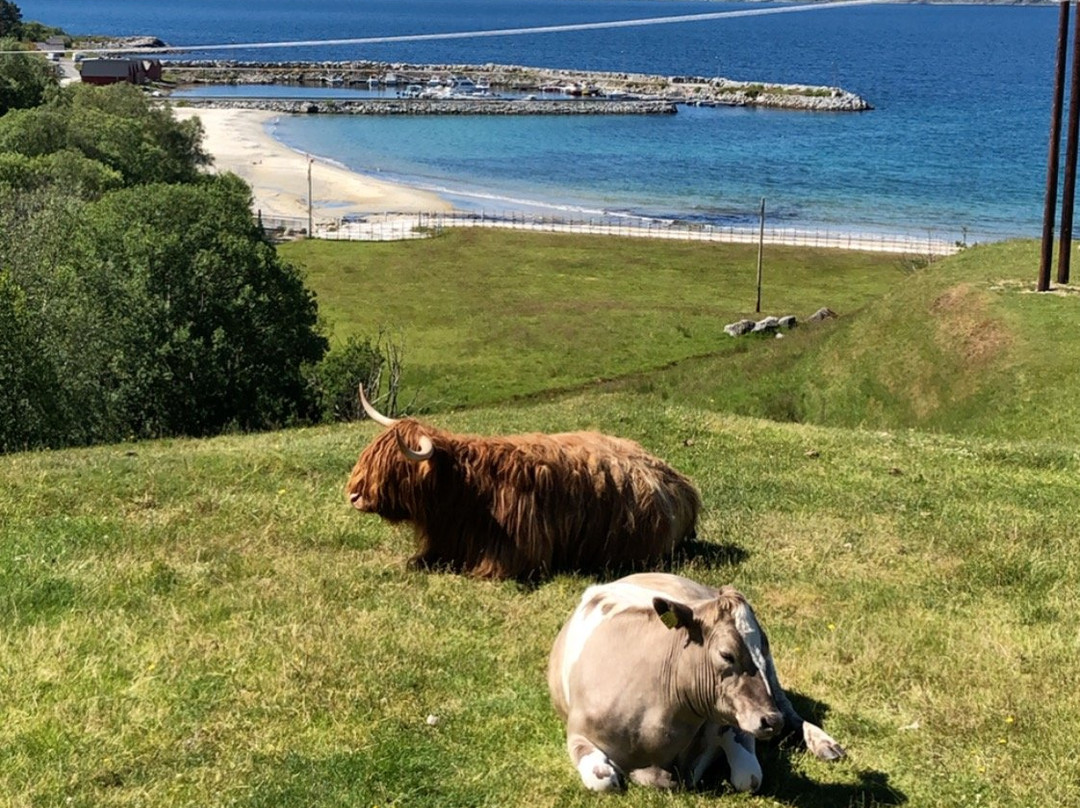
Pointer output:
334, 380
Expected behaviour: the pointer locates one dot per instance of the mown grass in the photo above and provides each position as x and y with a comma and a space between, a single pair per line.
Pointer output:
207, 623
487, 315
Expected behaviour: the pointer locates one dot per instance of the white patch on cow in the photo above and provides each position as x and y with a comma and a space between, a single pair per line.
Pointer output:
745, 768
618, 597
747, 626
598, 773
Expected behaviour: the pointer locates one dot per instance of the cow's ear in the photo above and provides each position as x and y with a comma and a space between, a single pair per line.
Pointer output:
674, 614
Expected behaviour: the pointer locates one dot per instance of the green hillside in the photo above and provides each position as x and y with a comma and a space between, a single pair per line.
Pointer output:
208, 623
962, 345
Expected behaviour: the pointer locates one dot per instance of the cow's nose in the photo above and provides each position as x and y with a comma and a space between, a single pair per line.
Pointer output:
355, 499
771, 724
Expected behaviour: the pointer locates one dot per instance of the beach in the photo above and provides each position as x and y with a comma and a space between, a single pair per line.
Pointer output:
238, 142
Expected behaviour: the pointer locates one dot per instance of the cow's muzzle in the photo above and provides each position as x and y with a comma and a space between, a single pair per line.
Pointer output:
769, 726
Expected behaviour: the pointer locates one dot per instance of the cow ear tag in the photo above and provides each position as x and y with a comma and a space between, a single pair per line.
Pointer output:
669, 618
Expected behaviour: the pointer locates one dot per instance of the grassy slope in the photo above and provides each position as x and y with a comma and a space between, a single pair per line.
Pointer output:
959, 347
491, 314
207, 623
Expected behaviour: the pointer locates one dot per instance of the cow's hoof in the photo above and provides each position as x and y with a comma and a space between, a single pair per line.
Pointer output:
599, 774
653, 777
821, 744
747, 784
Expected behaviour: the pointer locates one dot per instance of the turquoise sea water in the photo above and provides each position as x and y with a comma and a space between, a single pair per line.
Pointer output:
956, 143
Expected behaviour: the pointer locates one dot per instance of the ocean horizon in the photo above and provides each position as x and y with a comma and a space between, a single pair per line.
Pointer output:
955, 146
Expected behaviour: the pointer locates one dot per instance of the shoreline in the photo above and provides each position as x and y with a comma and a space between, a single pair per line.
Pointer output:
237, 141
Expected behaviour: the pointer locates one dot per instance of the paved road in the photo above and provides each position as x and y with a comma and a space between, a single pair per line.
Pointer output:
68, 73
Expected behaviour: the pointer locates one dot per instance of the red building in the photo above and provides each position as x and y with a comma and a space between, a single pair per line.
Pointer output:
111, 71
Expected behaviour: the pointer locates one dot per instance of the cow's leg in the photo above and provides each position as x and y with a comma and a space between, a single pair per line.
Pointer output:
700, 755
741, 753
653, 777
597, 771
817, 740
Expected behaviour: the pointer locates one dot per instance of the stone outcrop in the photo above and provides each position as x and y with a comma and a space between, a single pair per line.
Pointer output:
766, 325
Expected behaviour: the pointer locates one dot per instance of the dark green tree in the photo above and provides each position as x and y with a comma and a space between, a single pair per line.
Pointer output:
115, 125
25, 78
10, 20
210, 328
66, 169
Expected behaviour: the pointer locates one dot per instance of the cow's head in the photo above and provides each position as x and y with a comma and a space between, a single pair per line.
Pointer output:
727, 680
391, 472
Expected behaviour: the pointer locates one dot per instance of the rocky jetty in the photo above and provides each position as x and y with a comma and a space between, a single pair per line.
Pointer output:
696, 90
446, 106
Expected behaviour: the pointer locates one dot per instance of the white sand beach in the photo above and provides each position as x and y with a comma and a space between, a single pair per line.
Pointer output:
238, 142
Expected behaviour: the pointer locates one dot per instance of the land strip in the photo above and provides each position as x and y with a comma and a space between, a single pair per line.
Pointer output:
697, 90
445, 106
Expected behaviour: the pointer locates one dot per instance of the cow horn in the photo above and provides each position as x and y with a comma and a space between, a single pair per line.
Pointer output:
373, 413
426, 450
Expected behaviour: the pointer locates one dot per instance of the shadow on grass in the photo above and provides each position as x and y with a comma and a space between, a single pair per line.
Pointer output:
785, 784
692, 554
695, 552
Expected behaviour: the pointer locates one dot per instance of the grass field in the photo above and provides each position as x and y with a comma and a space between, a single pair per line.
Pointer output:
488, 315
207, 623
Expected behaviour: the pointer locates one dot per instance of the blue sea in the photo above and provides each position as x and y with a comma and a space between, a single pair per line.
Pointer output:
955, 147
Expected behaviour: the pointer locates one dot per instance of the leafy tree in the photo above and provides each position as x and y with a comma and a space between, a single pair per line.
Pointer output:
115, 125
138, 297
33, 31
67, 169
10, 19
27, 388
25, 79
210, 329
47, 384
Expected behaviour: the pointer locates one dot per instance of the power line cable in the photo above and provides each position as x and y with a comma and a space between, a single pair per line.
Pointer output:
544, 29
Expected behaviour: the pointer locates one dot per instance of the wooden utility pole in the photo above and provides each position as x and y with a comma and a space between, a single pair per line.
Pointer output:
1068, 192
310, 221
1047, 257
760, 249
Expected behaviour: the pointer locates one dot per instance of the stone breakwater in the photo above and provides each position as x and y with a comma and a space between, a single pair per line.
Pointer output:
449, 106
697, 90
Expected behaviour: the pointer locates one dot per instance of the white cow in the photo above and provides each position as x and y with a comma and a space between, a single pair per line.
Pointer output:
654, 674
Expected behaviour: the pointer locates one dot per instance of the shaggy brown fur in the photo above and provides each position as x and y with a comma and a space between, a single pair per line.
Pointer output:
526, 505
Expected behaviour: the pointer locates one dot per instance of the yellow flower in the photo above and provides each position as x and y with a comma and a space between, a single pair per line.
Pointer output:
1009, 719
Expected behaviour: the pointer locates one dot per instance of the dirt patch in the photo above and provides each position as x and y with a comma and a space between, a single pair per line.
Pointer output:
965, 326
1028, 288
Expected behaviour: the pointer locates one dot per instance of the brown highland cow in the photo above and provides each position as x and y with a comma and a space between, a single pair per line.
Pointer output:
521, 506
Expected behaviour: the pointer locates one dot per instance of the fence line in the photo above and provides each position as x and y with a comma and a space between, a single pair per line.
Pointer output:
401, 226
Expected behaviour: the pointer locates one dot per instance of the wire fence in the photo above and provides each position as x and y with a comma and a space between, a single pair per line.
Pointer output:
401, 226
